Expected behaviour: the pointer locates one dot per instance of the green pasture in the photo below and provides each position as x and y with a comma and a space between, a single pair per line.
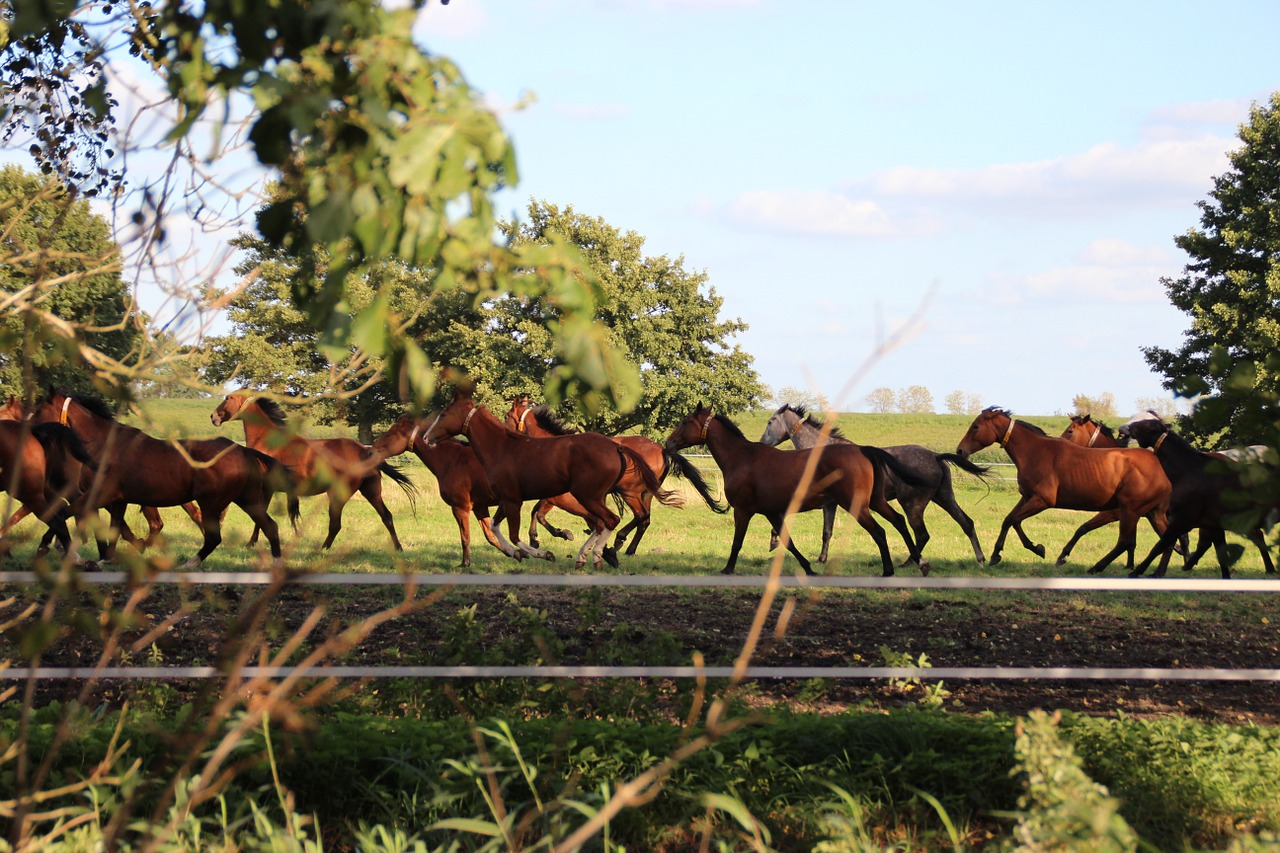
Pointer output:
681, 541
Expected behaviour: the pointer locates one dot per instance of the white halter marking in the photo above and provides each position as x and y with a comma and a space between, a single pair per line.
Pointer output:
62, 416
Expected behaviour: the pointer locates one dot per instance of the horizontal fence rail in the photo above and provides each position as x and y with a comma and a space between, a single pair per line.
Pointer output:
1059, 584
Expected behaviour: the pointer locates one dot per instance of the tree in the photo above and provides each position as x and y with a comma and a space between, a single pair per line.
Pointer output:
655, 313
800, 397
881, 400
62, 287
961, 403
1230, 288
1101, 406
915, 400
1164, 407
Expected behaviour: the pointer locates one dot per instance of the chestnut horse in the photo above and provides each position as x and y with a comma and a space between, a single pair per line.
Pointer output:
1086, 432
14, 411
1056, 473
760, 480
40, 469
460, 477
538, 422
337, 467
1199, 482
585, 465
134, 467
804, 431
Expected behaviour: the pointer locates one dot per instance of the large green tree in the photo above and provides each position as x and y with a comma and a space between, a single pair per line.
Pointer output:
1231, 290
65, 306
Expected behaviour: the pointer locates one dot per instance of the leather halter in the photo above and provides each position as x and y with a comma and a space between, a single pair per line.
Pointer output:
1097, 431
62, 416
1002, 442
466, 422
791, 433
706, 425
413, 435
1159, 441
520, 420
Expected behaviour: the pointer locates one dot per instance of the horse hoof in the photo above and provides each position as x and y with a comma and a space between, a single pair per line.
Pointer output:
579, 564
610, 557
1060, 562
549, 557
925, 568
995, 560
727, 570
1038, 551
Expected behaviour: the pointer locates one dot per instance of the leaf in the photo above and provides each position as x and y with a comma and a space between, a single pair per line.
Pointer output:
475, 826
370, 329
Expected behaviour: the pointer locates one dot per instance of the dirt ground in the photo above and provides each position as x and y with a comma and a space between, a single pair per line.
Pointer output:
832, 630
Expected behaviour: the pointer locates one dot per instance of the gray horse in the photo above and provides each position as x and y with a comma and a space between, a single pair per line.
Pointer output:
795, 423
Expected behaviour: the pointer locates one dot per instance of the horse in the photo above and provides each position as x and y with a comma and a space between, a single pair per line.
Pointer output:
586, 465
13, 410
1053, 473
538, 422
40, 468
1199, 482
460, 477
134, 467
760, 480
337, 467
804, 431
1086, 432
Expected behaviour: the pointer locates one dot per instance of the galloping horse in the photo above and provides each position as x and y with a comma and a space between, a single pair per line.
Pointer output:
1086, 432
14, 411
760, 480
1056, 473
460, 477
35, 471
338, 467
540, 423
134, 467
804, 430
1199, 481
585, 465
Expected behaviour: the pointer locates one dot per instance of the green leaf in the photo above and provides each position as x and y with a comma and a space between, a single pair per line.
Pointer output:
475, 826
370, 329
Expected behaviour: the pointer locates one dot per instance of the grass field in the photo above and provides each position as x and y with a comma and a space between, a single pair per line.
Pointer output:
691, 540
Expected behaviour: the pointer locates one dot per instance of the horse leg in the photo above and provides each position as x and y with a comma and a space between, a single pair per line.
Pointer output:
946, 498
1164, 549
886, 510
1126, 542
1102, 519
776, 521
1225, 558
1260, 542
868, 523
20, 513
463, 517
511, 511
193, 512
828, 525
913, 503
371, 488
1027, 506
540, 513
211, 526
641, 512
741, 518
155, 525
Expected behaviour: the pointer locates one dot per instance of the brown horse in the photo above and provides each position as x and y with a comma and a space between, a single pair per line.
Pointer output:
1200, 481
760, 480
134, 467
538, 422
34, 471
1086, 432
1056, 473
585, 465
13, 411
460, 477
337, 467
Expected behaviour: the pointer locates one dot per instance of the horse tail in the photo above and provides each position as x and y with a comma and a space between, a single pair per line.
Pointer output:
964, 464
278, 477
403, 480
651, 481
883, 459
682, 467
59, 442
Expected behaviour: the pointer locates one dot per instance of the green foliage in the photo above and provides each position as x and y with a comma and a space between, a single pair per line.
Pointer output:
1230, 290
60, 274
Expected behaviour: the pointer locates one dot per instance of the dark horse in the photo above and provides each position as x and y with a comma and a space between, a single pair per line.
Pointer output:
540, 423
585, 465
1086, 432
1056, 473
134, 467
337, 467
933, 470
1199, 482
760, 480
40, 468
460, 477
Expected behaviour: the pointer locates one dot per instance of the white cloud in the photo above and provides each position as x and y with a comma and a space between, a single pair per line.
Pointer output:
1107, 271
810, 213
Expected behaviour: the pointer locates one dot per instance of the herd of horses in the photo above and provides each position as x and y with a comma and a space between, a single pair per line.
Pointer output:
65, 458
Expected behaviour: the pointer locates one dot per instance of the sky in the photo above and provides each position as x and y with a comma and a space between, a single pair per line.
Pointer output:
994, 187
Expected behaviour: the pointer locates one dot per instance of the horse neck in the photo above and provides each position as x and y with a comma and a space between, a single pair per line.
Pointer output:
257, 426
1023, 442
805, 435
722, 444
485, 429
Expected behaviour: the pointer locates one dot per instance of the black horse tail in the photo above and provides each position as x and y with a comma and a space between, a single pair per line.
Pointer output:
59, 442
883, 459
964, 464
651, 481
402, 479
279, 478
682, 467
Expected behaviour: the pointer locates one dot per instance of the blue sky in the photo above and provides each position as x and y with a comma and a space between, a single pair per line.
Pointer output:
1017, 171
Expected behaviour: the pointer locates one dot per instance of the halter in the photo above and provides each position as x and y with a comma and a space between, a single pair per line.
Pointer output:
466, 422
62, 416
706, 425
520, 420
1002, 442
1097, 431
413, 435
1159, 441
791, 433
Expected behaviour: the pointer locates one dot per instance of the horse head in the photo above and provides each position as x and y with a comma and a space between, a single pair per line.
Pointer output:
230, 408
398, 438
781, 425
1146, 429
518, 414
992, 425
454, 419
692, 430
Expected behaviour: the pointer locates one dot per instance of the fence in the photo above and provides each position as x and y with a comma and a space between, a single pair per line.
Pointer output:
1122, 585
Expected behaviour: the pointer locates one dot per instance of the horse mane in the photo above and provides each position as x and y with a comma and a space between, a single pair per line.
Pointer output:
93, 403
731, 426
996, 410
272, 410
1102, 428
813, 420
548, 421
